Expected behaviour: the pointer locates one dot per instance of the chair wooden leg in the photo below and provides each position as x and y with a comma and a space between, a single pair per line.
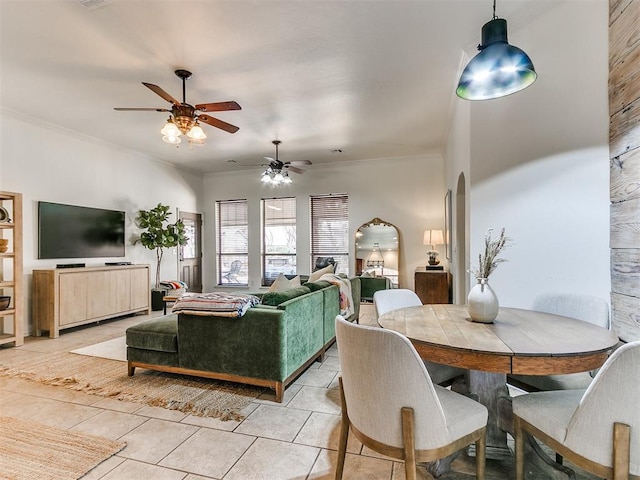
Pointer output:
621, 450
344, 434
408, 440
519, 438
481, 455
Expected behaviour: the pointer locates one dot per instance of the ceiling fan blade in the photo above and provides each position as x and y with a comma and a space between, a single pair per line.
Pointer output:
214, 122
125, 109
294, 169
156, 89
269, 158
218, 106
300, 162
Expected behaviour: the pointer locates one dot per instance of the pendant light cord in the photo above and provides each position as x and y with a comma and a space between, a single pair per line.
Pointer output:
494, 10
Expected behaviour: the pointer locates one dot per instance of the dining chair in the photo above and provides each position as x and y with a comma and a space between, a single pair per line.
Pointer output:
391, 405
587, 308
386, 300
598, 429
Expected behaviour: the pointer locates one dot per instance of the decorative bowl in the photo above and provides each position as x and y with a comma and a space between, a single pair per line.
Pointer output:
4, 302
4, 245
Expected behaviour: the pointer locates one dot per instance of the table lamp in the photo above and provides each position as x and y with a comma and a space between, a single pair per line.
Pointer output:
433, 238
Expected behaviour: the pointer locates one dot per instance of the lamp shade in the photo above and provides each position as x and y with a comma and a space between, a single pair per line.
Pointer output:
433, 237
499, 69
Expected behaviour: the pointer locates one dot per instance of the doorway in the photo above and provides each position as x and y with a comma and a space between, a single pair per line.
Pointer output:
460, 248
190, 257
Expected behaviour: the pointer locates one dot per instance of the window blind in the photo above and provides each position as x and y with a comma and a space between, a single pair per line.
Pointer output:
330, 229
233, 242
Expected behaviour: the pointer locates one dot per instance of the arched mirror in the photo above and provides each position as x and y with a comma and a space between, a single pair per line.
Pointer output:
378, 250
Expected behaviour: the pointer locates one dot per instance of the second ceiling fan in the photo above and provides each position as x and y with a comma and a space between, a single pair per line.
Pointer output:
278, 171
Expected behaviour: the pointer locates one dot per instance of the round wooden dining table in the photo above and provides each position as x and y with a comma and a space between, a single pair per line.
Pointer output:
518, 341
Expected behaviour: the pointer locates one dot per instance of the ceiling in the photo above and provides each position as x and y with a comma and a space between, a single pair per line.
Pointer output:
372, 78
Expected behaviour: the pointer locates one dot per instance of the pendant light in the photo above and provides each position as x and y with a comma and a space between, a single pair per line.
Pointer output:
499, 69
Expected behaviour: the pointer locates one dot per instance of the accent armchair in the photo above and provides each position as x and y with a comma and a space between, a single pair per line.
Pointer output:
391, 405
597, 429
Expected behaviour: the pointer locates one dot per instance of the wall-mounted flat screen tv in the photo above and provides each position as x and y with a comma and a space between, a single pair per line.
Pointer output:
69, 231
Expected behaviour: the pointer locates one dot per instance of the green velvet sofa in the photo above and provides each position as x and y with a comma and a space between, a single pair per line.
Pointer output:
269, 346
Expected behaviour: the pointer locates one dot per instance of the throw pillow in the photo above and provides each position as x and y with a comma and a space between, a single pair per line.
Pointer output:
319, 285
276, 298
280, 284
318, 273
295, 281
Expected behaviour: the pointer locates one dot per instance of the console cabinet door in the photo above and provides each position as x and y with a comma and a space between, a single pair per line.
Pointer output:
73, 297
140, 289
120, 286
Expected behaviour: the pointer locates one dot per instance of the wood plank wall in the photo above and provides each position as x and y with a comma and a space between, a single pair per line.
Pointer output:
624, 154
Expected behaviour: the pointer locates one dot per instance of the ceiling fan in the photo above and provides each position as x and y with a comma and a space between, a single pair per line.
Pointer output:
184, 118
277, 170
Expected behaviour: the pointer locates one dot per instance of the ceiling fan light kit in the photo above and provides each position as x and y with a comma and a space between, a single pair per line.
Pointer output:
184, 119
499, 69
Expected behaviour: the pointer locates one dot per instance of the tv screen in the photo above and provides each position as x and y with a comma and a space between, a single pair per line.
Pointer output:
69, 231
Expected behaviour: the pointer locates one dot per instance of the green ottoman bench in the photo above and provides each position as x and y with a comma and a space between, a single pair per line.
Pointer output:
153, 342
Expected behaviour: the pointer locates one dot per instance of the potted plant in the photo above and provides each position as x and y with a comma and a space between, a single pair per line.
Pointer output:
159, 234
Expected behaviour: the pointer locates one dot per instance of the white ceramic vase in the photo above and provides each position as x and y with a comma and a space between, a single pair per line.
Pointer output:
482, 302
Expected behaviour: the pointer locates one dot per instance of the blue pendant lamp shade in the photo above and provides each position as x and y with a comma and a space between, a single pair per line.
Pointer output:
499, 69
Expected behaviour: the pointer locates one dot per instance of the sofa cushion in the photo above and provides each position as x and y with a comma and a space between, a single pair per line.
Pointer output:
276, 298
319, 285
158, 334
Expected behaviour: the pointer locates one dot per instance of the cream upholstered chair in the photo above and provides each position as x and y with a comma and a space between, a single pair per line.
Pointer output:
391, 405
598, 429
587, 308
386, 300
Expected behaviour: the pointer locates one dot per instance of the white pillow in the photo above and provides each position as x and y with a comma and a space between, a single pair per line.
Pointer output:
280, 284
295, 282
318, 273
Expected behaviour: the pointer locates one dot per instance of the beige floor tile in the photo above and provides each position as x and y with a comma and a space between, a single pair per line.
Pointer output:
110, 424
64, 414
316, 378
103, 468
155, 439
331, 363
278, 423
317, 399
333, 350
208, 452
323, 430
118, 405
274, 460
356, 467
399, 473
191, 476
161, 413
28, 406
132, 470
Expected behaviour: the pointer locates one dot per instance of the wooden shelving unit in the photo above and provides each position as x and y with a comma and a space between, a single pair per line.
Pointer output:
11, 278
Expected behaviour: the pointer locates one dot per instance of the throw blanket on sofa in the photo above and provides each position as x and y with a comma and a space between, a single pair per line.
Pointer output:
346, 299
215, 304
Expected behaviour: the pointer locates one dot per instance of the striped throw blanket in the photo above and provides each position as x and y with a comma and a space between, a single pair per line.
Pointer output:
215, 304
346, 299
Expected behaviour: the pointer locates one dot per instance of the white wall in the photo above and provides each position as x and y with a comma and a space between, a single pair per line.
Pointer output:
46, 163
539, 161
407, 192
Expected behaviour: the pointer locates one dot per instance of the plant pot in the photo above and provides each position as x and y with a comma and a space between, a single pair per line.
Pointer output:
4, 302
482, 302
156, 300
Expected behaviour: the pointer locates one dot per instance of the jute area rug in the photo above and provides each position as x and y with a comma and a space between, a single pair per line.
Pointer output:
33, 451
108, 378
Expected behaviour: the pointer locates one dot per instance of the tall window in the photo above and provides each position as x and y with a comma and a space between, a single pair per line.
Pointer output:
233, 242
278, 238
330, 230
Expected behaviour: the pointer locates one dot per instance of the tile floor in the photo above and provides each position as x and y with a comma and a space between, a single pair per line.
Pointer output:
295, 440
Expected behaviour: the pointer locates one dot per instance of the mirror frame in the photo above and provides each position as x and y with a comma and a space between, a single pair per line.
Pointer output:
359, 263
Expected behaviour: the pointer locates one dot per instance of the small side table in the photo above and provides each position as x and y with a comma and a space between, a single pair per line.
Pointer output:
432, 286
169, 299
